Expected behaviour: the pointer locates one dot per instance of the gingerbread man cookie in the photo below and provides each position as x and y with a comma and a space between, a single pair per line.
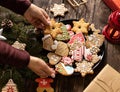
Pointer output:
80, 26
59, 10
44, 85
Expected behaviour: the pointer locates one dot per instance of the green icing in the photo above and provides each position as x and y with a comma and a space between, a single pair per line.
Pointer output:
64, 36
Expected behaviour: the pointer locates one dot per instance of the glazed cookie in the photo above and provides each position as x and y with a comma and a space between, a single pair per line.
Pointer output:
53, 29
59, 10
95, 58
53, 58
77, 54
94, 40
44, 84
84, 67
67, 60
18, 45
62, 49
80, 26
94, 50
54, 46
88, 55
47, 39
64, 36
64, 70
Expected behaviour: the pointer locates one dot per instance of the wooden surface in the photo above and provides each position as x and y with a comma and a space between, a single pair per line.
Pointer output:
94, 11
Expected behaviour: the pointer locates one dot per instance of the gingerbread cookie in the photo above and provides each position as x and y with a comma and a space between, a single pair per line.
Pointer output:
59, 10
88, 55
53, 58
18, 45
67, 60
94, 40
77, 54
64, 36
80, 26
64, 70
47, 39
84, 67
54, 46
44, 85
53, 29
92, 28
62, 49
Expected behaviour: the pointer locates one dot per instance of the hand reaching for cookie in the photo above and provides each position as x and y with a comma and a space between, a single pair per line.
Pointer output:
38, 66
37, 16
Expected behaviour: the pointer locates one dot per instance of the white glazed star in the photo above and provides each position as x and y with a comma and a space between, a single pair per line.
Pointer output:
58, 10
2, 37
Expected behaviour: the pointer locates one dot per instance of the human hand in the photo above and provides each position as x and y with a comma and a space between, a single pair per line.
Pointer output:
39, 67
37, 16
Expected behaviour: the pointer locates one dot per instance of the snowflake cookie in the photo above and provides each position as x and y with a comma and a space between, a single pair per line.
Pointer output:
58, 10
84, 67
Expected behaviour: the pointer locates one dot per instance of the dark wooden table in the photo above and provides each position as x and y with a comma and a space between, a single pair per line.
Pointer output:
94, 11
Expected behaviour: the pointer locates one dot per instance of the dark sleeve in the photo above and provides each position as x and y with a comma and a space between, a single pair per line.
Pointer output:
17, 6
12, 56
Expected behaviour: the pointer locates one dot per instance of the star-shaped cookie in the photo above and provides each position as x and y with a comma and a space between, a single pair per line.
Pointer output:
53, 29
59, 10
80, 26
84, 67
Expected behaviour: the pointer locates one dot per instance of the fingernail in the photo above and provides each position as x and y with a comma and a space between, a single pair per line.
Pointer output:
53, 75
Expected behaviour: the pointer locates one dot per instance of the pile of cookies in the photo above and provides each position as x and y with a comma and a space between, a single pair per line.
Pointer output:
73, 48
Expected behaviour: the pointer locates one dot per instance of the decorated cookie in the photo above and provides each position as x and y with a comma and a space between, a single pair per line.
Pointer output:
18, 45
47, 39
94, 50
84, 67
59, 10
96, 58
62, 49
53, 29
92, 28
80, 26
71, 33
67, 60
77, 54
94, 40
44, 85
64, 70
64, 36
88, 55
55, 44
68, 26
53, 58
77, 38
